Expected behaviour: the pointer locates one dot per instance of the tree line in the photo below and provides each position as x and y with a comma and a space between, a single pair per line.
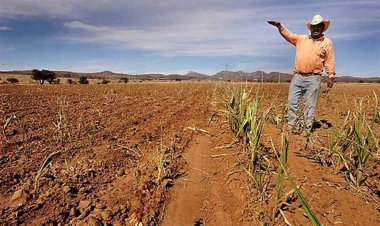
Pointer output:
49, 76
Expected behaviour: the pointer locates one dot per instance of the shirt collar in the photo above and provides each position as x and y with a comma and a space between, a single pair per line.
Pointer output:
318, 39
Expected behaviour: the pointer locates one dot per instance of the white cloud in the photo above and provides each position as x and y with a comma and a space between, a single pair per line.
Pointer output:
195, 33
197, 28
193, 30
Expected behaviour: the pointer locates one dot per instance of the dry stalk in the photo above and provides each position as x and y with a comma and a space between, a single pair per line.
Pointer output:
7, 123
199, 130
61, 122
43, 166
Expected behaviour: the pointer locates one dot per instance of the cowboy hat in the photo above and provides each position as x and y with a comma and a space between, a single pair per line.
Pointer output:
317, 19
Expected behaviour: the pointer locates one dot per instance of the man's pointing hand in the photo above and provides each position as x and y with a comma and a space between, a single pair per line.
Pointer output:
274, 23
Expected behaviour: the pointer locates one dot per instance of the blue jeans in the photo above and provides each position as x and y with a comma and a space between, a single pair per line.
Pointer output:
308, 87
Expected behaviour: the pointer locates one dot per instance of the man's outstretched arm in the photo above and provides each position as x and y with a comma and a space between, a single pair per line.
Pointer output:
289, 36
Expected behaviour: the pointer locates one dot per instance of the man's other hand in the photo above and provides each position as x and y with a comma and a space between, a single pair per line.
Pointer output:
274, 23
330, 82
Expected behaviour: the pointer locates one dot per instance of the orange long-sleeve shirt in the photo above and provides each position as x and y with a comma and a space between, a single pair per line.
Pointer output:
312, 55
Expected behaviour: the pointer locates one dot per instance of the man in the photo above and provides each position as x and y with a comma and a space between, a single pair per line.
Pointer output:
314, 52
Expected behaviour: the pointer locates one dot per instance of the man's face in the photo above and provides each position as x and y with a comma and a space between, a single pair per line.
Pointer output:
316, 30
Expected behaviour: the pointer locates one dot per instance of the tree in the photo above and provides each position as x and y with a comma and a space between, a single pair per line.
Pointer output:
83, 80
123, 80
12, 80
44, 75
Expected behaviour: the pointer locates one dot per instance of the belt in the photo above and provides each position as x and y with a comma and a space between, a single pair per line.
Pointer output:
307, 74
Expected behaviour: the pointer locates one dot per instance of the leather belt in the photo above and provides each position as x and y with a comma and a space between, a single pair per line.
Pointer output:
307, 74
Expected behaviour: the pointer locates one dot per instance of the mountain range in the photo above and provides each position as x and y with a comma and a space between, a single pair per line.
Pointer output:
259, 76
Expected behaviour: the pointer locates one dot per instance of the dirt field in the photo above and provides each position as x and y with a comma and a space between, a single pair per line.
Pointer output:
151, 154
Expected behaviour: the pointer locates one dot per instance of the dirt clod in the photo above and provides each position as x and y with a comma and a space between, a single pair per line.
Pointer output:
83, 205
90, 221
100, 206
106, 215
74, 212
66, 189
333, 179
19, 197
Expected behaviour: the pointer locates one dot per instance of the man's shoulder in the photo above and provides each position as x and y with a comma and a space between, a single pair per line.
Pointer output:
326, 39
303, 37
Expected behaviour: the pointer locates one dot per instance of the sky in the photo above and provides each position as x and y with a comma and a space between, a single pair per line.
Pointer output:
177, 36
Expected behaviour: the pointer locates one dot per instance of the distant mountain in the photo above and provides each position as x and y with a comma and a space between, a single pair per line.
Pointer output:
198, 75
234, 76
222, 75
252, 76
357, 79
105, 73
161, 77
276, 76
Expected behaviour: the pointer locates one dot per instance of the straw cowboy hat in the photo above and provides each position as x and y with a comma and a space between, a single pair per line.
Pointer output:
317, 19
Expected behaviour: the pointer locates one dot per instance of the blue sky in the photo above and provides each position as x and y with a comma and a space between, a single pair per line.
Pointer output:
174, 36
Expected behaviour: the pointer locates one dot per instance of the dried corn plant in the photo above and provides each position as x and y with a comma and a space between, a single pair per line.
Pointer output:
280, 116
61, 123
167, 158
161, 162
4, 120
281, 173
376, 113
334, 154
234, 102
247, 122
6, 124
282, 159
259, 175
252, 126
279, 110
350, 149
45, 164
365, 144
